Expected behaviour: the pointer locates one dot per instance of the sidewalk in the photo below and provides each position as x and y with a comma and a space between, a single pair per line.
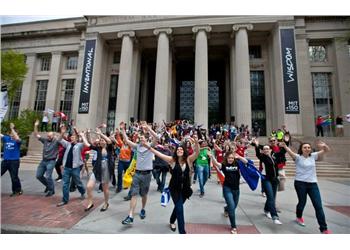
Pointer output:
34, 213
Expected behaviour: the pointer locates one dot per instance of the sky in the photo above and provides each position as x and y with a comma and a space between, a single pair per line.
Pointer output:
4, 19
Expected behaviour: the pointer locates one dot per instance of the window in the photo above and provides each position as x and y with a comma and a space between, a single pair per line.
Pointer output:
40, 99
322, 97
72, 62
45, 63
67, 94
116, 57
14, 105
318, 53
254, 51
112, 103
257, 91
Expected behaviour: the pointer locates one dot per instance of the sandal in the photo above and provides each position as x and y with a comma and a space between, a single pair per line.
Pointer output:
172, 227
105, 207
234, 231
89, 207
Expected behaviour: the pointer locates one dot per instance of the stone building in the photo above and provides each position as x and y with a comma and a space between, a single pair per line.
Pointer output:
271, 69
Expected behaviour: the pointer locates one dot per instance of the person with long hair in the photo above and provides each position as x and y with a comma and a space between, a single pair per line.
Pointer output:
230, 188
102, 170
270, 182
305, 182
180, 182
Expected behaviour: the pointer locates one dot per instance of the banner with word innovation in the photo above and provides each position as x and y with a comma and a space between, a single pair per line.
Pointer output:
290, 77
86, 79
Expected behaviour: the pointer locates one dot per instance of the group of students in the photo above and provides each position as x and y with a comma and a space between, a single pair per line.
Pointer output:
188, 150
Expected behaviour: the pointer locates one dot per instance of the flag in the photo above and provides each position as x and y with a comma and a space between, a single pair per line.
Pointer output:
250, 174
220, 174
327, 122
3, 102
63, 116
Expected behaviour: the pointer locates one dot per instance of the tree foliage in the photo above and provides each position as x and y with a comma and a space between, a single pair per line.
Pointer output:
13, 71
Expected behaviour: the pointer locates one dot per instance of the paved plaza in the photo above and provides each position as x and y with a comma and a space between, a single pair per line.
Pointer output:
34, 213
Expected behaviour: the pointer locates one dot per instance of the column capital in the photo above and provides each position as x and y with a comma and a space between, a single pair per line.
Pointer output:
238, 26
167, 31
206, 28
126, 33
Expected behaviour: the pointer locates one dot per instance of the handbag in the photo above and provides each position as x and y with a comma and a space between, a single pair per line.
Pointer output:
165, 197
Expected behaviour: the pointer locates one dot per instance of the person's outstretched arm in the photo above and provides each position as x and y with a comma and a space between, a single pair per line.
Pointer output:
130, 143
289, 151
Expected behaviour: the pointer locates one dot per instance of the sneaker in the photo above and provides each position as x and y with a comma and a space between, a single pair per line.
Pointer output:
16, 193
268, 214
82, 197
62, 203
263, 194
234, 231
201, 195
300, 221
277, 222
128, 221
59, 180
142, 214
46, 190
118, 190
327, 231
225, 211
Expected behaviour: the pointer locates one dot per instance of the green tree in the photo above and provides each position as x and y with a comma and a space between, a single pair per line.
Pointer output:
13, 71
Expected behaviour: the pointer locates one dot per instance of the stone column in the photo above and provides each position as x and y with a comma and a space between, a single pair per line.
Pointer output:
233, 80
227, 92
144, 93
28, 86
135, 81
162, 84
124, 82
53, 87
242, 94
201, 76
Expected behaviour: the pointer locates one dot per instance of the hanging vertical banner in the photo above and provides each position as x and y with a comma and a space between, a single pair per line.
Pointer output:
290, 77
86, 79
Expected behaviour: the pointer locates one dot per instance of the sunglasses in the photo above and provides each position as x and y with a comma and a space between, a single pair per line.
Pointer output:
272, 140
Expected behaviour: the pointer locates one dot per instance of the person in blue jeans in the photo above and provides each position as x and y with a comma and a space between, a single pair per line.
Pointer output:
47, 164
270, 181
72, 162
180, 182
202, 165
11, 159
230, 187
305, 182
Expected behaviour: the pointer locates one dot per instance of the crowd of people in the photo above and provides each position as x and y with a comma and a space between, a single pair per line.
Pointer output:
186, 150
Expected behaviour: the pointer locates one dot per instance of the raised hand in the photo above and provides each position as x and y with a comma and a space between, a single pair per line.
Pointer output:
36, 123
98, 131
122, 125
12, 126
282, 144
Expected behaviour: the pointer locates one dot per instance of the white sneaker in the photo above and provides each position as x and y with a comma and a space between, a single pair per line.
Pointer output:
268, 215
277, 222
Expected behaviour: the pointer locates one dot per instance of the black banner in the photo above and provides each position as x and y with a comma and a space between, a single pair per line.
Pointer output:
290, 77
86, 79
